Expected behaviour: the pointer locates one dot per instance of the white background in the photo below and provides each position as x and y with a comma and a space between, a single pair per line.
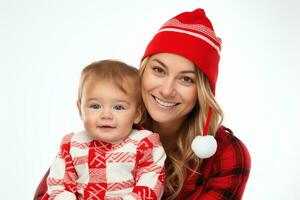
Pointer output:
45, 44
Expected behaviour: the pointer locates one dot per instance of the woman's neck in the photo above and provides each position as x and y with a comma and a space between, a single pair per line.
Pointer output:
164, 129
168, 132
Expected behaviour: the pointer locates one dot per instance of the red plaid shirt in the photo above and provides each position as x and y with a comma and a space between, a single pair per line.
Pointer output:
223, 176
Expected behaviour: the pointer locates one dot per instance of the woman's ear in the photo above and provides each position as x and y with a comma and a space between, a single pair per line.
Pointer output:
79, 108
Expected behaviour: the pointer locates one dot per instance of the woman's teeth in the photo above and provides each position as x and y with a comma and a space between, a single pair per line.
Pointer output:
163, 103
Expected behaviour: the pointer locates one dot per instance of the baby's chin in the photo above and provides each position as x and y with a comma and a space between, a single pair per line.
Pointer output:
105, 137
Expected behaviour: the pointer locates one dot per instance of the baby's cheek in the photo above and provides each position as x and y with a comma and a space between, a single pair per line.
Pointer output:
89, 123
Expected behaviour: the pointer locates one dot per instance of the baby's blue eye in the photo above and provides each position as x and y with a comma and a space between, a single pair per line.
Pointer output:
119, 107
95, 106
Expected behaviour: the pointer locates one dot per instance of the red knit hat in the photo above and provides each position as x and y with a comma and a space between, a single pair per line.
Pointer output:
191, 35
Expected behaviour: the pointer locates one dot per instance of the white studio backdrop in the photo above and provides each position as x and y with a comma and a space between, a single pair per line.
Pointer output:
45, 44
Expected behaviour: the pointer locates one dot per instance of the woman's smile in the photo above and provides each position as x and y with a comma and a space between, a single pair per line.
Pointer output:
163, 103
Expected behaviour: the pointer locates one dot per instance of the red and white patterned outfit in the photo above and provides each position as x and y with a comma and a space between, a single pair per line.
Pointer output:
90, 169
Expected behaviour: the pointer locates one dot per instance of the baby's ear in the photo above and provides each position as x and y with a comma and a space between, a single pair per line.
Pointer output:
138, 115
79, 108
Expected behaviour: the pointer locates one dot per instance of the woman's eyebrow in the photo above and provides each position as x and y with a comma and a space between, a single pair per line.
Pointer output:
187, 71
160, 62
165, 66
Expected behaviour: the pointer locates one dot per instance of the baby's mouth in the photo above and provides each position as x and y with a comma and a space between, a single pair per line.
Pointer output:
106, 127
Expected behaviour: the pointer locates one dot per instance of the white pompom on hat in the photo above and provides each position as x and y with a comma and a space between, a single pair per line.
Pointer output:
206, 145
191, 35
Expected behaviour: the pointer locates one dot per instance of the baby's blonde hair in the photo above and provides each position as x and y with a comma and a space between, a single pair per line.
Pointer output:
117, 72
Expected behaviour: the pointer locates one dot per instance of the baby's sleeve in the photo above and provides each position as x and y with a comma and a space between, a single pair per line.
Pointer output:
60, 182
150, 172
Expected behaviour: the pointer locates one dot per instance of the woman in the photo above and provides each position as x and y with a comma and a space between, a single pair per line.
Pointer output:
178, 78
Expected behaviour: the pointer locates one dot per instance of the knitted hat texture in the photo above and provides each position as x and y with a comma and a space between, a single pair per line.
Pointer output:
191, 35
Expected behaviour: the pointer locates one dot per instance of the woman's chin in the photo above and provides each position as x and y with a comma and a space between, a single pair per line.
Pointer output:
163, 117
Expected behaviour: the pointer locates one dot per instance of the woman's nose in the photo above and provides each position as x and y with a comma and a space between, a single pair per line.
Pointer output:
168, 88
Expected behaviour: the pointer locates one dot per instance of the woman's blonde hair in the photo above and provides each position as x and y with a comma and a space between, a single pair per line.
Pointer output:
180, 156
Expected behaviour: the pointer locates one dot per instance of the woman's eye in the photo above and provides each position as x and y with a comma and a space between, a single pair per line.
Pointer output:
95, 106
119, 107
158, 69
187, 79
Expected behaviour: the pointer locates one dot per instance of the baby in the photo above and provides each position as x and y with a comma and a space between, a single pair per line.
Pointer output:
109, 159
